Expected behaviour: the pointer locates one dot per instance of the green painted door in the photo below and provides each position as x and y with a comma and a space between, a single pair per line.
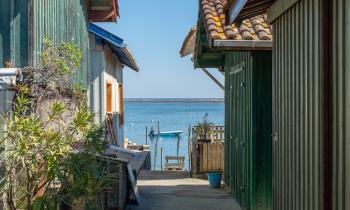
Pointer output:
239, 121
248, 128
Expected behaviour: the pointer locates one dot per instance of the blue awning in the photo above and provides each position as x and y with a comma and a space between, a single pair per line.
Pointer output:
117, 46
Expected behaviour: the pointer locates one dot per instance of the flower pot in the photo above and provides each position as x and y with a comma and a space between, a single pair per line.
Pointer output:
214, 179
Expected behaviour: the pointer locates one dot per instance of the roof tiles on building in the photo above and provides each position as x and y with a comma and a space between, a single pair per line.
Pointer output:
255, 28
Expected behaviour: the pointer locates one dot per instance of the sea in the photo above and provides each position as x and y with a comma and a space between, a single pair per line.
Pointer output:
172, 115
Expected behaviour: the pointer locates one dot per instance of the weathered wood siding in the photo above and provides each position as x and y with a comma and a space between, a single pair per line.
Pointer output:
210, 158
105, 67
297, 108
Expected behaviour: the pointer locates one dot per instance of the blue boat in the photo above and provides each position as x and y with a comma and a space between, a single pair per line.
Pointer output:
153, 133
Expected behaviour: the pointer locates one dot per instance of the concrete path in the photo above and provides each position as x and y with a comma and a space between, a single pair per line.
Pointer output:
176, 191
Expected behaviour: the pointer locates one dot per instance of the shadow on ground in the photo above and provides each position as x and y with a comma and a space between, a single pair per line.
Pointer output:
177, 191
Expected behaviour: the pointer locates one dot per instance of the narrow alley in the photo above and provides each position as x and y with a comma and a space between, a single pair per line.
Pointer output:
177, 191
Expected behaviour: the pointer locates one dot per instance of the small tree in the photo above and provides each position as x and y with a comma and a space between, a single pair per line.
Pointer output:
51, 143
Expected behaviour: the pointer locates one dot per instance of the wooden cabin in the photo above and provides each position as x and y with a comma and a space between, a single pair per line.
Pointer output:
310, 100
23, 26
243, 51
108, 56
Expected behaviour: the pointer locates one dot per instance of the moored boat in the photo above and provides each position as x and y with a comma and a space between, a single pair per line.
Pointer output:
165, 134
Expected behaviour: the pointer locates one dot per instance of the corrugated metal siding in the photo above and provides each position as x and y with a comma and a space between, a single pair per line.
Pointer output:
239, 69
341, 104
14, 32
262, 129
248, 128
23, 25
4, 32
297, 108
61, 21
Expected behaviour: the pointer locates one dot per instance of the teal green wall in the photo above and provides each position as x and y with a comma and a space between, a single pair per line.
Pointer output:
62, 21
14, 32
4, 32
248, 128
25, 23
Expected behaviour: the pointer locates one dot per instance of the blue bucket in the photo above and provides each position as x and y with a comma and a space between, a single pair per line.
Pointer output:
214, 179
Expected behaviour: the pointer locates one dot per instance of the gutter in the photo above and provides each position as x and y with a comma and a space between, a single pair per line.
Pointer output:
243, 44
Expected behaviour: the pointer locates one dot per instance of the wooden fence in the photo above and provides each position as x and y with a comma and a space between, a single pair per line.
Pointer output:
207, 149
211, 158
213, 134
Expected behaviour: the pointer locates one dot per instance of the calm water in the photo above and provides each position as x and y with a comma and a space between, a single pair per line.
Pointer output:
171, 116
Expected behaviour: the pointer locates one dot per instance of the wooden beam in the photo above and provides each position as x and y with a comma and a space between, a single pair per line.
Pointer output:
213, 78
105, 12
101, 15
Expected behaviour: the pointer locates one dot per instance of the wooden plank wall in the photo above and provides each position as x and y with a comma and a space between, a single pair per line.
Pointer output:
211, 158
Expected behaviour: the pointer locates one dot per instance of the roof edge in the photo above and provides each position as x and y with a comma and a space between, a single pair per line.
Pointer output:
134, 66
187, 46
243, 44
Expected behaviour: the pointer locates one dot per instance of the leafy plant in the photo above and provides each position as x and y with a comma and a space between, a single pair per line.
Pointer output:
204, 128
52, 145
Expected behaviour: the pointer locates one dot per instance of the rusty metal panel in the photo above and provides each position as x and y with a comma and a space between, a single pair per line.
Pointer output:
340, 104
297, 108
61, 21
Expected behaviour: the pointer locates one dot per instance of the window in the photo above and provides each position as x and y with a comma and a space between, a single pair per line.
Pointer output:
108, 97
121, 104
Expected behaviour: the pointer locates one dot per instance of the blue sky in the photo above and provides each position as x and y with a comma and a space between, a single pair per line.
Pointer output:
154, 31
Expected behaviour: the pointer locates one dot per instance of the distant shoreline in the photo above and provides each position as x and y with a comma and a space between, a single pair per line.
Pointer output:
176, 100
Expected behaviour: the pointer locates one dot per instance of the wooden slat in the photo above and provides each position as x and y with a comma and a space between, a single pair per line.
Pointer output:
215, 157
210, 159
201, 159
222, 156
205, 157
219, 156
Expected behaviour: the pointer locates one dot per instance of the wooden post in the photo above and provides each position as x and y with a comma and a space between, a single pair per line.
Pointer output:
178, 145
155, 149
189, 148
146, 135
155, 156
161, 159
158, 128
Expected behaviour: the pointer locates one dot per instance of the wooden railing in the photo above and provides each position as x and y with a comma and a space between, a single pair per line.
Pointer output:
213, 134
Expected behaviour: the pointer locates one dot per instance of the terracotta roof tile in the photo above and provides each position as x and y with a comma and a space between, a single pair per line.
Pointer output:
255, 28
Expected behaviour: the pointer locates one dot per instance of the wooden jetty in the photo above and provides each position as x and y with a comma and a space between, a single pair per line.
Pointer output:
174, 163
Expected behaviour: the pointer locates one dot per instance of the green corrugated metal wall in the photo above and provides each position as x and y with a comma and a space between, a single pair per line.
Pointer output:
248, 122
4, 33
340, 106
14, 32
25, 23
297, 108
62, 21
